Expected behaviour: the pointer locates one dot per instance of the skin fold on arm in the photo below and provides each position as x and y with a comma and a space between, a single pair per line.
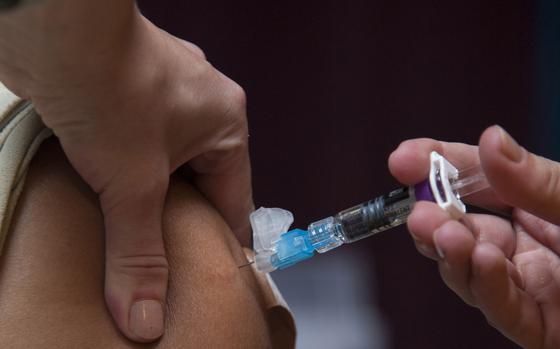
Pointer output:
52, 270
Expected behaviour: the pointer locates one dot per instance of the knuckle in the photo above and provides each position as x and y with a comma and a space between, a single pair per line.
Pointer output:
239, 95
232, 117
189, 46
235, 100
142, 266
231, 153
216, 95
199, 72
195, 49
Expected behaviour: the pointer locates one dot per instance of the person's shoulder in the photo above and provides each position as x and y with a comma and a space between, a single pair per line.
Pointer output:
52, 270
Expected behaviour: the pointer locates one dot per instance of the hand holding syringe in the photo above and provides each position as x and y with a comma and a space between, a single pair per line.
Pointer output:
277, 248
508, 268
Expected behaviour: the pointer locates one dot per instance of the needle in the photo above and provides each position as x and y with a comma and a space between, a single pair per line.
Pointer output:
246, 264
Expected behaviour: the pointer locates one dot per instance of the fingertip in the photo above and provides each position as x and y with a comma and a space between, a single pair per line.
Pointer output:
490, 152
454, 242
140, 319
146, 320
425, 250
492, 148
424, 219
136, 266
498, 139
397, 163
409, 162
520, 178
488, 261
499, 169
491, 138
420, 233
135, 292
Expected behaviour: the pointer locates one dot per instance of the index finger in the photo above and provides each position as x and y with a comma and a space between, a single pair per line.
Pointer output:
410, 164
224, 177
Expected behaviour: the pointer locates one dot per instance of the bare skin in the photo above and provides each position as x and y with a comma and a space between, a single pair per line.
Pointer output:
131, 104
52, 271
509, 269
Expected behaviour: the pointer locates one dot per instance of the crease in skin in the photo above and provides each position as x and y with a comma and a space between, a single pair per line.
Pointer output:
534, 265
495, 230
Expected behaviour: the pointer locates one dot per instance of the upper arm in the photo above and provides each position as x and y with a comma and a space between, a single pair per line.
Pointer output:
52, 270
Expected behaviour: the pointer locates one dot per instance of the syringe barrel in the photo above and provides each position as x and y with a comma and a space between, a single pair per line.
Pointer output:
377, 215
368, 218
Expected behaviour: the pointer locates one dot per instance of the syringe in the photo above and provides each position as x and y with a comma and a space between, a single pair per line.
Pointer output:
277, 248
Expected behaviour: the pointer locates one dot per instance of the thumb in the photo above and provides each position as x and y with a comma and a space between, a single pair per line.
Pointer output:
520, 178
136, 269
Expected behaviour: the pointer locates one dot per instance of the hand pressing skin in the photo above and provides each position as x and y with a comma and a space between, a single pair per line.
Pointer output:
131, 104
509, 269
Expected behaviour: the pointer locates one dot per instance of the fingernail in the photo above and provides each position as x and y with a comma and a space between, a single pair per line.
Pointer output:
146, 319
425, 249
439, 250
509, 147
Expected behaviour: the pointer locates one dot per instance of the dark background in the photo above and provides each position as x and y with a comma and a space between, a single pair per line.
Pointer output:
334, 86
